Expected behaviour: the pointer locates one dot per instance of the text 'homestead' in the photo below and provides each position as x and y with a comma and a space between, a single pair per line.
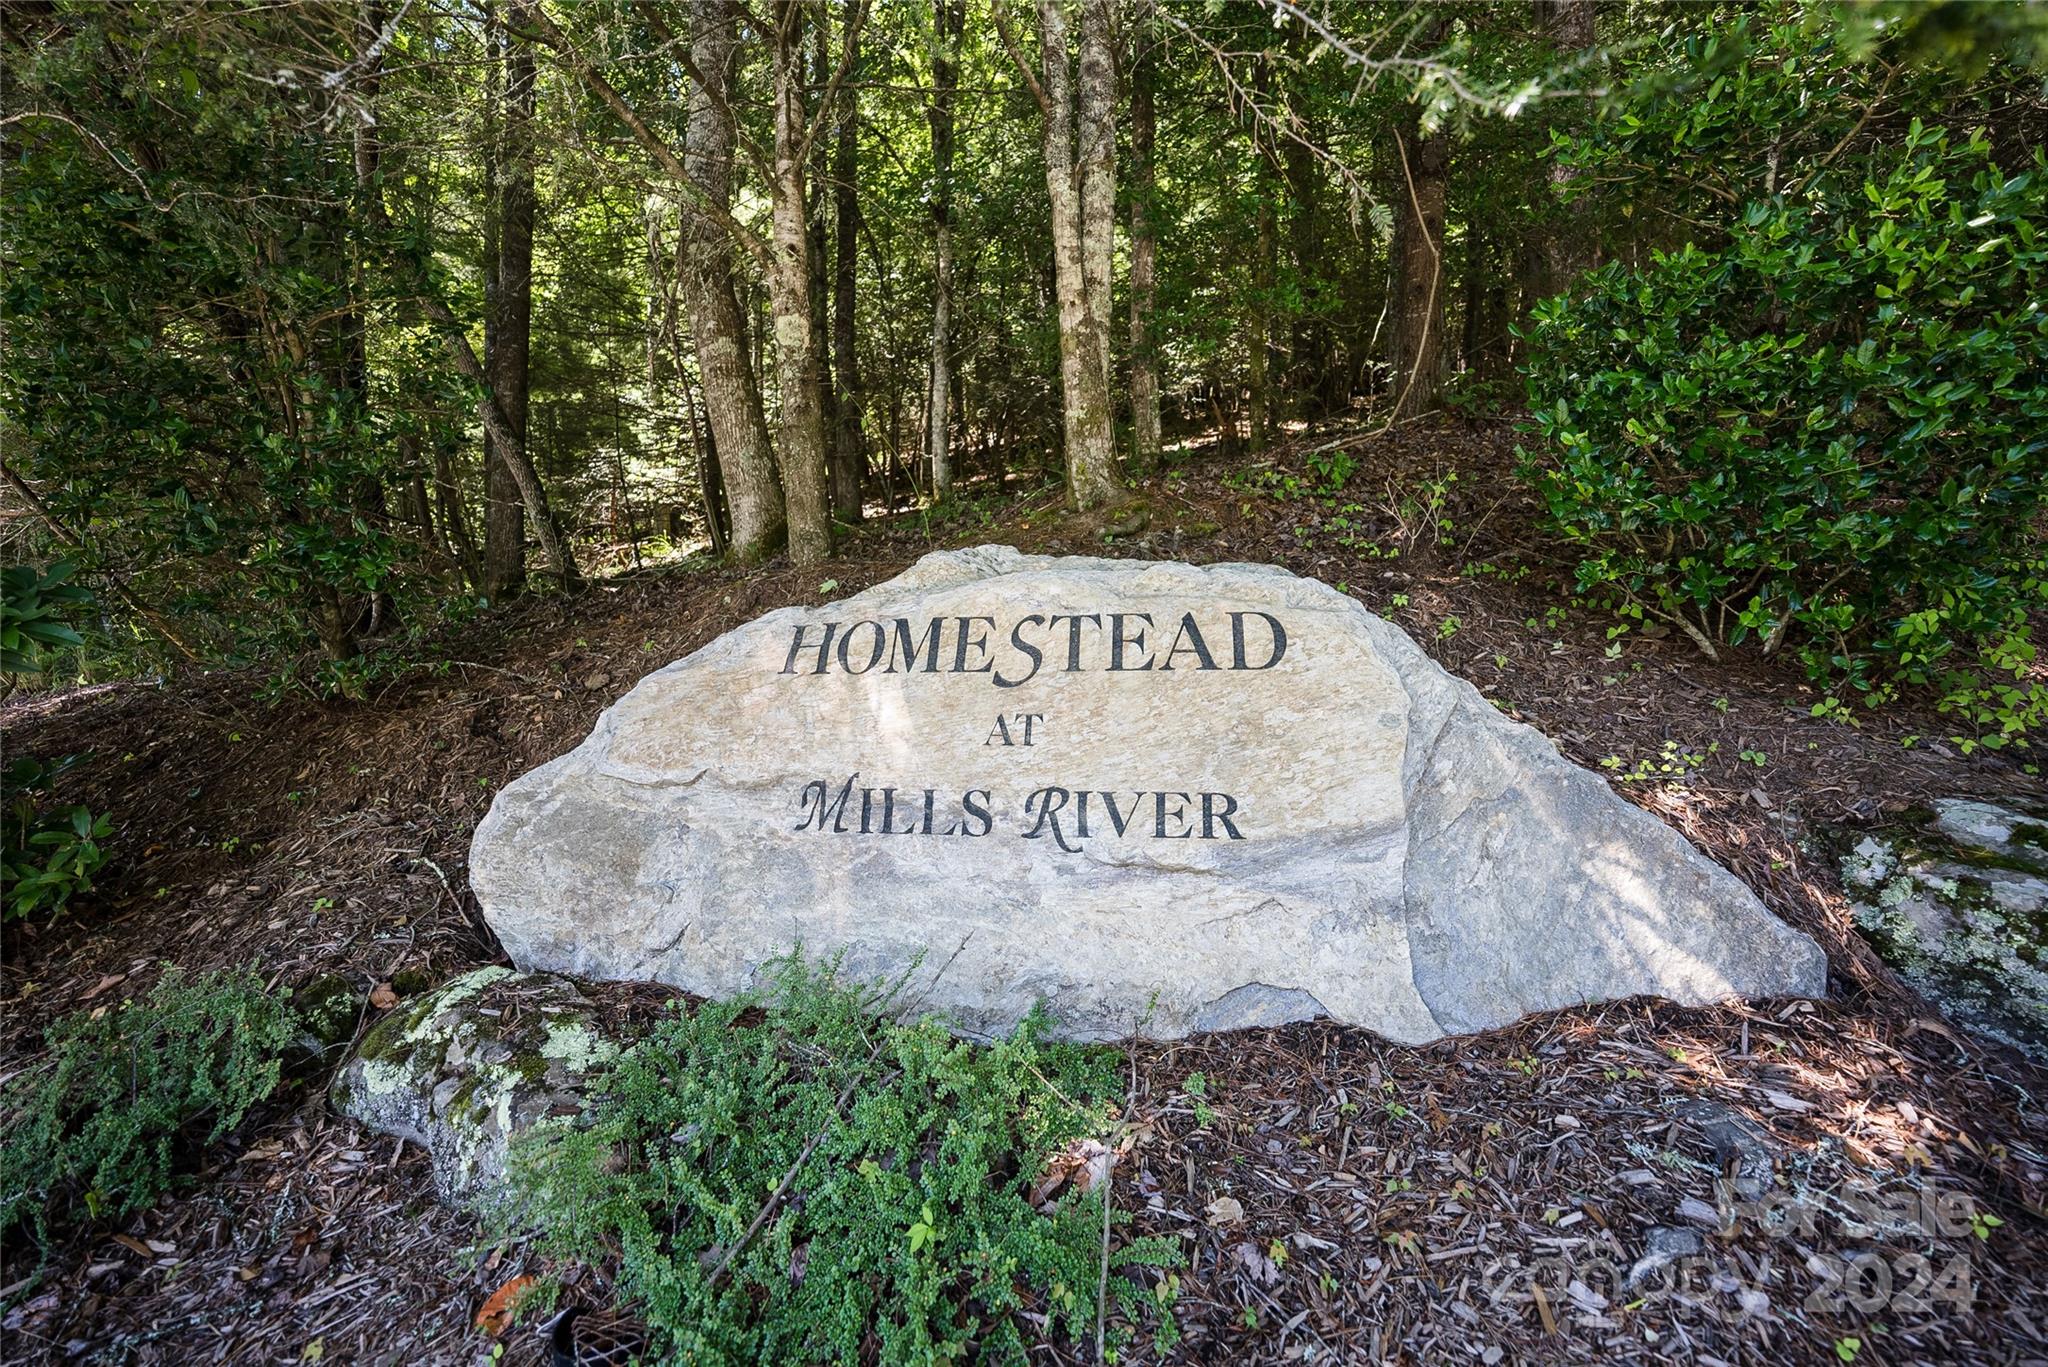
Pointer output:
1117, 642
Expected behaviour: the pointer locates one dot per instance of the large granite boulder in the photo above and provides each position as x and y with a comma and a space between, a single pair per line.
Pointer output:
1152, 795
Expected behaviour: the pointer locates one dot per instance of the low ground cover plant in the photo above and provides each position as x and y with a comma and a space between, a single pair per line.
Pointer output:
123, 1097
792, 1177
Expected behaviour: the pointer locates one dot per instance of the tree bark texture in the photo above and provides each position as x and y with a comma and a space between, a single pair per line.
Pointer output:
732, 394
1418, 321
789, 288
1145, 441
849, 457
509, 306
948, 18
1080, 176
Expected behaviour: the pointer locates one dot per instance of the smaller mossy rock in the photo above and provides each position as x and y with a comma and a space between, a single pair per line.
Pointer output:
467, 1067
1955, 897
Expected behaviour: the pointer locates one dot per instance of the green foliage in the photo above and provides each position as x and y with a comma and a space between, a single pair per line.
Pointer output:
48, 854
1830, 432
120, 1096
33, 606
216, 381
904, 1234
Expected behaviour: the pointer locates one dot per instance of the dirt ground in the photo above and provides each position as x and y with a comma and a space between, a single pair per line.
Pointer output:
1342, 1199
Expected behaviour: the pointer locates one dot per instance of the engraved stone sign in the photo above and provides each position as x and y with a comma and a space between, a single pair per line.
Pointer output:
1152, 795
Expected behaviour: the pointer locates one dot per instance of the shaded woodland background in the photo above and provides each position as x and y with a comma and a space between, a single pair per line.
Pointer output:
326, 322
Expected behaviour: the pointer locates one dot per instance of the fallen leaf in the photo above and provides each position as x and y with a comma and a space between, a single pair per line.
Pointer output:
102, 985
1084, 1163
495, 1316
383, 997
134, 1245
315, 1350
1263, 1270
1224, 1210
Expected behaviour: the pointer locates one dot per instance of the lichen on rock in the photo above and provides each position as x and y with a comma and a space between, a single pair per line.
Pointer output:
1955, 898
467, 1067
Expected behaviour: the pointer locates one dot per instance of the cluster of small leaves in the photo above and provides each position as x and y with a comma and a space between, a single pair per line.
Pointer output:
33, 606
48, 854
122, 1095
1830, 432
902, 1158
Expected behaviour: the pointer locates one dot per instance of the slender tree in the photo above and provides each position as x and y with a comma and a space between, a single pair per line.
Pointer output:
718, 331
508, 303
1077, 102
1422, 169
948, 19
849, 457
1145, 441
802, 436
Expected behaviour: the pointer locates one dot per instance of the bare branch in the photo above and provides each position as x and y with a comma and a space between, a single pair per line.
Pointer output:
1009, 37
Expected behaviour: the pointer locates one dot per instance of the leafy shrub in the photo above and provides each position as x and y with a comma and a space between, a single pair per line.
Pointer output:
1830, 433
102, 1120
905, 1234
33, 606
47, 854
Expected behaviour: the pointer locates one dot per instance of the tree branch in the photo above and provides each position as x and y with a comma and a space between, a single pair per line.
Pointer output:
701, 203
1009, 37
849, 43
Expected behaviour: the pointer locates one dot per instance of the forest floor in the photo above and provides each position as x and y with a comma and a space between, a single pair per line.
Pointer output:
1342, 1199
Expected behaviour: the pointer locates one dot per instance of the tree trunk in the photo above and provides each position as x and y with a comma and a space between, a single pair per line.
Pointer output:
1559, 247
1076, 180
448, 503
1145, 442
1096, 159
819, 210
508, 446
509, 307
849, 459
948, 19
1260, 405
1568, 246
370, 506
732, 396
789, 287
1264, 247
1418, 348
1309, 340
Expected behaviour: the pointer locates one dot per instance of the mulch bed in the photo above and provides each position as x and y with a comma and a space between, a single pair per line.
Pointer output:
1341, 1198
